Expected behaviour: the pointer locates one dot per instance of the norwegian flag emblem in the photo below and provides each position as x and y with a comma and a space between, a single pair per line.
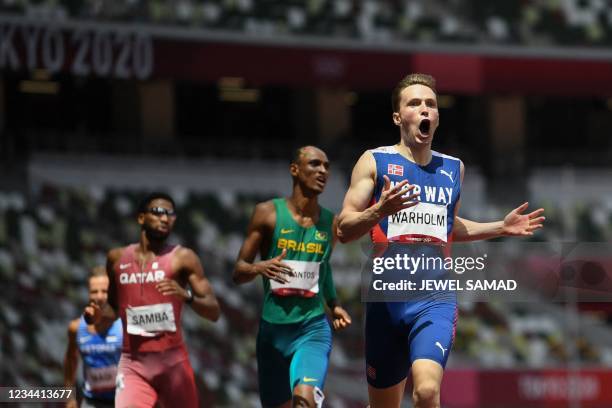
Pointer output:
395, 169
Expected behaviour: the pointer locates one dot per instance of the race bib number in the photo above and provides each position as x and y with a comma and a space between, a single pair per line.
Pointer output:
425, 222
150, 320
304, 283
101, 378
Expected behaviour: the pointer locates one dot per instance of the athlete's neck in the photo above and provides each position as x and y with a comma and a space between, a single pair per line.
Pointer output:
421, 155
303, 206
148, 244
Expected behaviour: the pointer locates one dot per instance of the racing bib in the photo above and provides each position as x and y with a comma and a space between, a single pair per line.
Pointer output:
304, 283
100, 378
150, 320
425, 222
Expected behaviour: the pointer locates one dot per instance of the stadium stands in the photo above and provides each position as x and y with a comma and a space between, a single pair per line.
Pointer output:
534, 22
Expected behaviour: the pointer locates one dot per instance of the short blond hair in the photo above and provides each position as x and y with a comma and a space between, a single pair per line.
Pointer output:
411, 79
98, 270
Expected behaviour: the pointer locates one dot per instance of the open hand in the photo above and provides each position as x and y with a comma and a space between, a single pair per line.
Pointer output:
275, 269
518, 224
393, 199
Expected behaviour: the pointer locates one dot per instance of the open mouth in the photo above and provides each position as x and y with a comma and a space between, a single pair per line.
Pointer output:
321, 180
424, 126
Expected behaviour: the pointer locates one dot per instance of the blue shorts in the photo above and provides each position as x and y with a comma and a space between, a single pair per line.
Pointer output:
291, 354
398, 333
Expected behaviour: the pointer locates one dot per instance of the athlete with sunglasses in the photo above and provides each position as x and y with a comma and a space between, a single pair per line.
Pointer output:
148, 287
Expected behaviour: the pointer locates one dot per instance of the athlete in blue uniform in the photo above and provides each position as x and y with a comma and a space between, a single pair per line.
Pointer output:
99, 346
407, 197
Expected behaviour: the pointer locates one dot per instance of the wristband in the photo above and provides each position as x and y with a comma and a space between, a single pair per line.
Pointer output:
189, 299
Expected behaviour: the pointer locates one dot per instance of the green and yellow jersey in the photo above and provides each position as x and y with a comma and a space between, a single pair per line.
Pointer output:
308, 253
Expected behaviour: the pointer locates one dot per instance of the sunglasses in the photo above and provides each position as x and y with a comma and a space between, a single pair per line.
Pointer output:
159, 211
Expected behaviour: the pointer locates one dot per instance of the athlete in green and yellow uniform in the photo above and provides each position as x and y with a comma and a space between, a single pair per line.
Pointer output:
294, 237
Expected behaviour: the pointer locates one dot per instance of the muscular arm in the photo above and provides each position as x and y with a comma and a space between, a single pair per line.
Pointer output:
514, 224
339, 316
204, 300
245, 269
356, 217
71, 359
328, 285
467, 230
328, 289
259, 233
111, 259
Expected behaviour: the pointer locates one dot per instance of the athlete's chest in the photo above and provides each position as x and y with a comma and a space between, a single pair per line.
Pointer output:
97, 344
134, 270
302, 236
298, 241
434, 185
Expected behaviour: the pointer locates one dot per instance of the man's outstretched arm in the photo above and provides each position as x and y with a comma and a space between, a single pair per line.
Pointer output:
514, 224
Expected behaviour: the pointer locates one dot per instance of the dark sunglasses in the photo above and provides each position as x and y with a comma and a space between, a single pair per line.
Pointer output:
159, 211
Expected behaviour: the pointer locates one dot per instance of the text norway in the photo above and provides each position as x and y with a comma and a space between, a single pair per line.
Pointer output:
433, 194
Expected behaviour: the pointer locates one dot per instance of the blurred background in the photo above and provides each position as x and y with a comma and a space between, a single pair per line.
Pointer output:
102, 101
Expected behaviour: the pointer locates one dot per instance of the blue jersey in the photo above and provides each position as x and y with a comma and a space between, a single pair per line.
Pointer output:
100, 353
403, 327
438, 185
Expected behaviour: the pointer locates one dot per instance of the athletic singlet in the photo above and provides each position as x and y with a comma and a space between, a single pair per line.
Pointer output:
100, 353
308, 253
438, 186
152, 321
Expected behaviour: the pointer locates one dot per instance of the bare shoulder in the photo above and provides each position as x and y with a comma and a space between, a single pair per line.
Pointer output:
367, 158
264, 208
115, 254
264, 215
185, 254
366, 165
186, 260
73, 326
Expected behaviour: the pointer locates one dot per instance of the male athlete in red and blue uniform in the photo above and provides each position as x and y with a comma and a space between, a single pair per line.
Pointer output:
407, 197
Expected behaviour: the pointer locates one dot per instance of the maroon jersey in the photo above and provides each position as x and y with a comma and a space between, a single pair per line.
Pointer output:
151, 321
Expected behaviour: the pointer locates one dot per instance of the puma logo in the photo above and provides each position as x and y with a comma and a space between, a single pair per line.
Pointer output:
447, 174
441, 348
